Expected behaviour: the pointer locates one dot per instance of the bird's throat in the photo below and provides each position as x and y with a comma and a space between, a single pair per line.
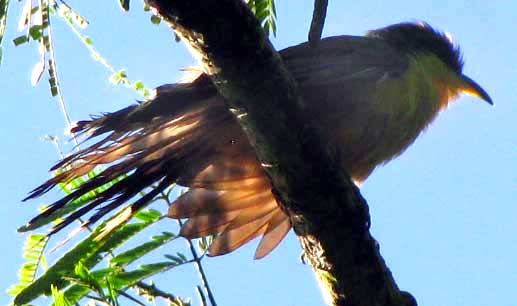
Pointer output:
420, 93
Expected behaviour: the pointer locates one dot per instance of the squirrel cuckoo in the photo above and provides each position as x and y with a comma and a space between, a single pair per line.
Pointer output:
371, 96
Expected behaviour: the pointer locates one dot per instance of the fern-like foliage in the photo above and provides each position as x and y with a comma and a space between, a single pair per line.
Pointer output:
137, 252
88, 253
59, 297
265, 12
33, 254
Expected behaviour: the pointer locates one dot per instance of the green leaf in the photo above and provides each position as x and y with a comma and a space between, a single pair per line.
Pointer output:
87, 279
204, 243
149, 215
81, 271
59, 298
52, 80
79, 289
112, 293
124, 4
126, 279
139, 85
117, 279
135, 253
88, 41
75, 292
32, 251
67, 12
179, 258
141, 89
20, 40
118, 77
155, 20
265, 11
36, 31
89, 252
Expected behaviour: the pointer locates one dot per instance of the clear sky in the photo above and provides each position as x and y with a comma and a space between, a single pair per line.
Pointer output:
444, 213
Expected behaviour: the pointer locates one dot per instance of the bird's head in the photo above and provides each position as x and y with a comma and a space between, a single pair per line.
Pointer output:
434, 49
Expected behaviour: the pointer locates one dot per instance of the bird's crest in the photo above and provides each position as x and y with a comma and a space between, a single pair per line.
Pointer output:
422, 38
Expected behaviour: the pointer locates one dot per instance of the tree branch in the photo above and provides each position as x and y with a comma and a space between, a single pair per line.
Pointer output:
318, 21
326, 209
153, 291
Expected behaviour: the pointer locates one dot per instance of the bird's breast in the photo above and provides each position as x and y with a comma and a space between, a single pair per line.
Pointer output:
370, 123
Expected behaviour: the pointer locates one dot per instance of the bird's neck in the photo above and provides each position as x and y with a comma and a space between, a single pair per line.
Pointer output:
412, 101
432, 76
421, 92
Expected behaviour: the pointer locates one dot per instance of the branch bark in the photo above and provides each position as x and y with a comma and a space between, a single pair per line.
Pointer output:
326, 209
318, 21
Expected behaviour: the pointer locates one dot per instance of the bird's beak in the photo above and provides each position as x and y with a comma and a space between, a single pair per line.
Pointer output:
472, 88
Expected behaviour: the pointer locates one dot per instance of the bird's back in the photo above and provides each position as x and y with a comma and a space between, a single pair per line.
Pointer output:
345, 83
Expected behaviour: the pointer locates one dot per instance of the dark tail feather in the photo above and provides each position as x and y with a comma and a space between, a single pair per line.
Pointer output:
185, 135
147, 143
125, 190
127, 213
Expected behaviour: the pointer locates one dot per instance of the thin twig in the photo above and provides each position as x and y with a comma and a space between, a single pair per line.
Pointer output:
201, 295
103, 302
152, 290
40, 258
197, 260
95, 54
55, 141
200, 269
122, 79
318, 21
129, 297
52, 63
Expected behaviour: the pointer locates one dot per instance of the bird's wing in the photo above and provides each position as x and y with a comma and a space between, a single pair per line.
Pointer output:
339, 81
185, 135
337, 60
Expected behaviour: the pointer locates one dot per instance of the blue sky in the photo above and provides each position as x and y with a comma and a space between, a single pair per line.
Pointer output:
443, 213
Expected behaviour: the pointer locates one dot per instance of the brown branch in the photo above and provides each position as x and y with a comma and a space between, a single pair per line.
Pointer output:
153, 291
326, 209
318, 21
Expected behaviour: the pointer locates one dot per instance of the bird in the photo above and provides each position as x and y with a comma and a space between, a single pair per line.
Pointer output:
370, 96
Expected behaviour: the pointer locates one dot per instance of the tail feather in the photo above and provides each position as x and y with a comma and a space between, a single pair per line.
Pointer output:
202, 222
249, 215
185, 135
231, 239
131, 152
207, 224
67, 160
206, 202
278, 227
127, 213
120, 193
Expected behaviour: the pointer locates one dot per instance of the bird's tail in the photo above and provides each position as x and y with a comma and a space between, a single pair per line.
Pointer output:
185, 135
